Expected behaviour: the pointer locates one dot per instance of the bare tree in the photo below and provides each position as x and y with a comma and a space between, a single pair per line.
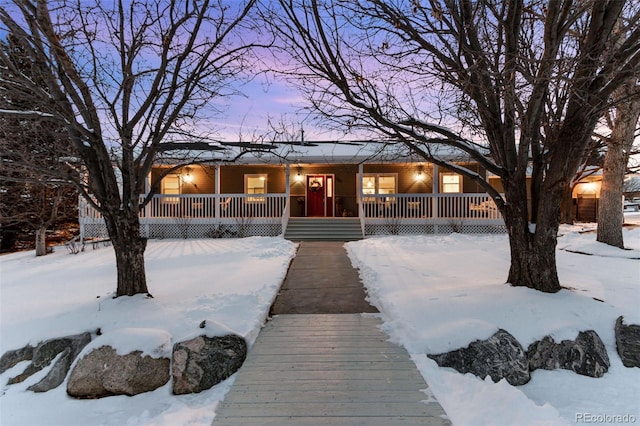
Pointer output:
623, 122
487, 78
124, 79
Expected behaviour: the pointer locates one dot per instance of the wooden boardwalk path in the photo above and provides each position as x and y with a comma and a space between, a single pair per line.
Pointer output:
330, 369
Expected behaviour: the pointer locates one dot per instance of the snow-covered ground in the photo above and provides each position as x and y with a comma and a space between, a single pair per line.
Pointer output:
439, 293
228, 283
435, 293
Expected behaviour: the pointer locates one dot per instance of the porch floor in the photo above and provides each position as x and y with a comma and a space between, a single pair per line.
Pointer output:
327, 368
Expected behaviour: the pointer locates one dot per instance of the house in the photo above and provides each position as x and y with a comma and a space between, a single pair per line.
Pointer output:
378, 188
586, 197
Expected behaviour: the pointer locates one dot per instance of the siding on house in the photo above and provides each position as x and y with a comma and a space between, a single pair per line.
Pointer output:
232, 178
407, 183
470, 186
203, 179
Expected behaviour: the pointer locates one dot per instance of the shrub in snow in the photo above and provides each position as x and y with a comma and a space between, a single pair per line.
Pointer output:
500, 356
203, 362
628, 343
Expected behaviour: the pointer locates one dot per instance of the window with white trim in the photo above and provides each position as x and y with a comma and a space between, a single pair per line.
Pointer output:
171, 184
451, 183
377, 183
255, 184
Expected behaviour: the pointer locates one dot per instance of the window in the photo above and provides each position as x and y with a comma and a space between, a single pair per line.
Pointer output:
379, 184
386, 185
171, 186
369, 185
255, 184
451, 183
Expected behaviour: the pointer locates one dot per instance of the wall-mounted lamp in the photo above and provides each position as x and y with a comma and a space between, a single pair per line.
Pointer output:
420, 174
298, 177
589, 187
187, 177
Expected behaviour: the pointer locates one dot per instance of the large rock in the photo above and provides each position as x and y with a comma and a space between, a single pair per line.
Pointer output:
543, 354
42, 355
628, 343
59, 370
500, 357
586, 355
202, 362
102, 372
11, 358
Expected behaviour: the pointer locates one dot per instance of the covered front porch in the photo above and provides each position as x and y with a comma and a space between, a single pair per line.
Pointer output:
242, 200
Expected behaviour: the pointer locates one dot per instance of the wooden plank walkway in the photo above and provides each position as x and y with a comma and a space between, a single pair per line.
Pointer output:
330, 369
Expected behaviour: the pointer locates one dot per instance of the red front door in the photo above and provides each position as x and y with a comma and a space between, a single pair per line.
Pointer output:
316, 195
320, 195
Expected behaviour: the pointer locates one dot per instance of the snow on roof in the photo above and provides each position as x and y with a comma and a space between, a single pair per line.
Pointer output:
318, 152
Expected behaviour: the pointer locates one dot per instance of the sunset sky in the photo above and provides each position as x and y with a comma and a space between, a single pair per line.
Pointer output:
268, 98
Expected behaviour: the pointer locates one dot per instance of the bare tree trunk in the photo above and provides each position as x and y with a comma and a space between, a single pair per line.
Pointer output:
129, 247
566, 206
41, 241
610, 217
533, 251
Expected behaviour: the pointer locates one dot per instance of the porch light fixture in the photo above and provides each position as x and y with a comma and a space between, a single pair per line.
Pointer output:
589, 188
419, 174
187, 177
298, 177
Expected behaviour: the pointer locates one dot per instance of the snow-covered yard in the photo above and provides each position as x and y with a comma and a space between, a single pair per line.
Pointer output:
439, 293
231, 283
435, 293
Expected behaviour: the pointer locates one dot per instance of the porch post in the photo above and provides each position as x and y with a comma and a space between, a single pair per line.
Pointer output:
287, 174
436, 191
359, 200
217, 191
287, 202
81, 217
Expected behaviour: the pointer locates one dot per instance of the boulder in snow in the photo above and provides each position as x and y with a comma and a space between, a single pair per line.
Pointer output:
586, 355
203, 362
59, 371
44, 353
543, 354
102, 372
628, 343
500, 356
13, 357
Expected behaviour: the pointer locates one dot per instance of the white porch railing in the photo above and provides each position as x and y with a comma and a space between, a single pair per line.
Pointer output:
215, 206
430, 206
176, 216
204, 206
400, 206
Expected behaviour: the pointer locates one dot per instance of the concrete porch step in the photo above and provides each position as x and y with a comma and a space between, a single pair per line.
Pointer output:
323, 229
